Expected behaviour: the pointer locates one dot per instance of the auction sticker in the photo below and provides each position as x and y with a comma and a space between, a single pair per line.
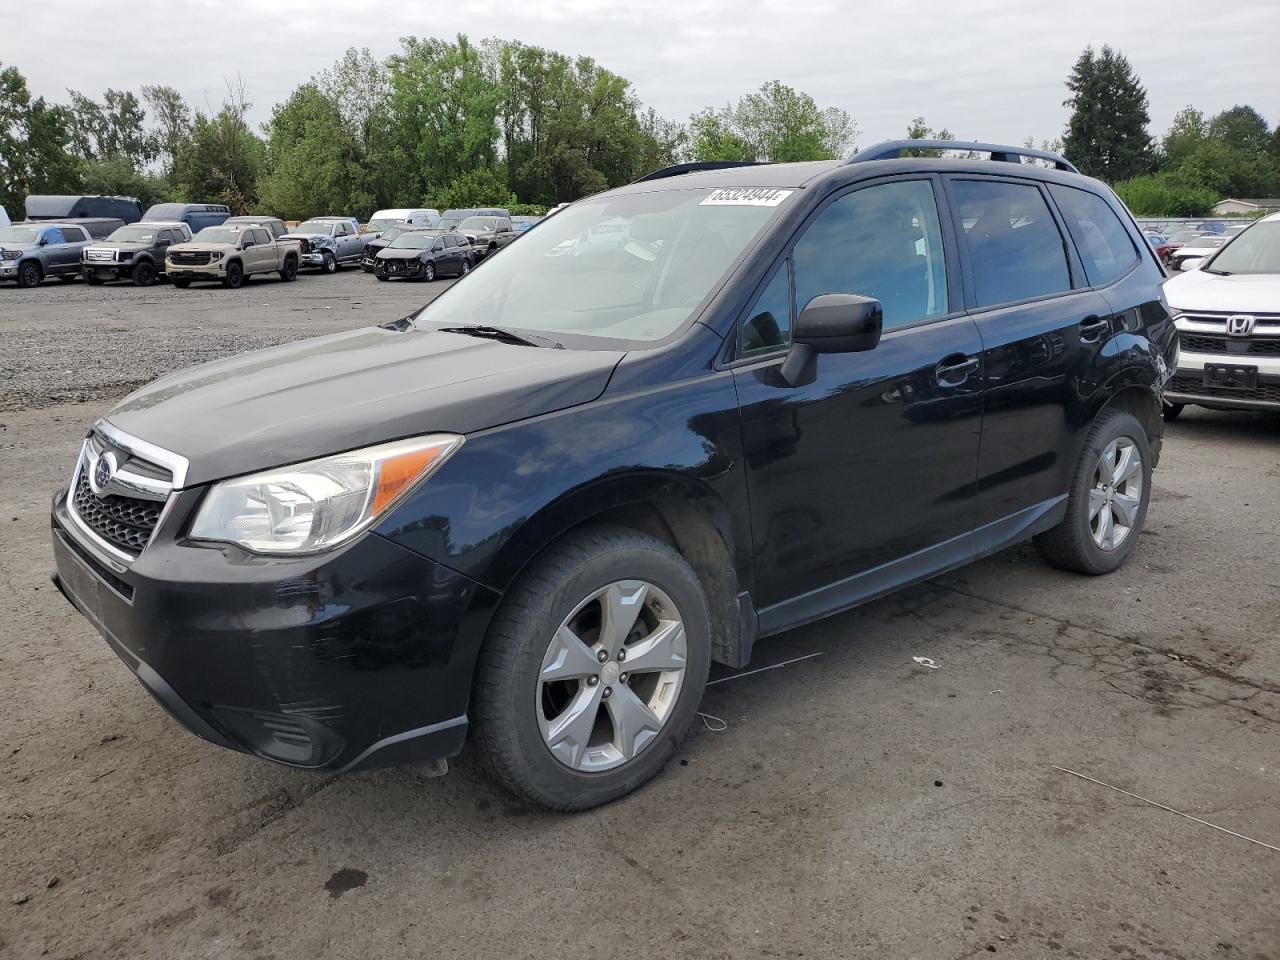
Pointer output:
746, 197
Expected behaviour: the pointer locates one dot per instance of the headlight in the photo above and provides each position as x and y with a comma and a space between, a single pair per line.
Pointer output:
216, 255
311, 507
10, 254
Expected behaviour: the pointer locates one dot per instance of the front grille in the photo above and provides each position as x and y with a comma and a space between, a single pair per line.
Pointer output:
100, 255
190, 257
1195, 344
1195, 387
124, 522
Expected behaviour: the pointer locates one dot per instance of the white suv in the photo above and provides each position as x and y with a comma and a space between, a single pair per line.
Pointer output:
1227, 308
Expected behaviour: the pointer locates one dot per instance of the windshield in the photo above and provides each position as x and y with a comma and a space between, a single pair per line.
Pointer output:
138, 234
415, 240
479, 223
1182, 236
629, 267
390, 233
314, 226
1257, 250
19, 234
217, 235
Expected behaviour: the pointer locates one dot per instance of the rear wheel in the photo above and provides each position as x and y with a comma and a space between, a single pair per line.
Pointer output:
1173, 410
30, 274
234, 276
592, 669
1107, 501
290, 269
143, 274
330, 262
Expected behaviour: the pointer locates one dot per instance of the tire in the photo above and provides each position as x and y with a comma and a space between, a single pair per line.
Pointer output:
289, 272
330, 263
382, 276
428, 271
30, 274
143, 275
1074, 544
466, 268
234, 277
181, 284
513, 706
1172, 411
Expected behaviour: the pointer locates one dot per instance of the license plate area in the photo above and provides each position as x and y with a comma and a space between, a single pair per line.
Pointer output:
1230, 376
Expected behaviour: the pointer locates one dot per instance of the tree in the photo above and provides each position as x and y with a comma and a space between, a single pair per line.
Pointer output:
111, 129
713, 136
317, 166
34, 142
1242, 130
917, 129
1187, 132
483, 187
1106, 135
777, 123
223, 158
1165, 195
118, 177
172, 122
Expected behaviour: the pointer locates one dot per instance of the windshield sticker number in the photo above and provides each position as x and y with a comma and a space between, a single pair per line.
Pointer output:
746, 197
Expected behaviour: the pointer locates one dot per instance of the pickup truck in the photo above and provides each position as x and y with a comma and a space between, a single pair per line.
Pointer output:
487, 235
232, 253
329, 242
135, 252
31, 251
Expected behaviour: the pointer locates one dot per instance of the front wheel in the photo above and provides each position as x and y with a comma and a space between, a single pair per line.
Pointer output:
429, 271
234, 276
592, 669
143, 274
330, 262
30, 274
466, 268
1107, 501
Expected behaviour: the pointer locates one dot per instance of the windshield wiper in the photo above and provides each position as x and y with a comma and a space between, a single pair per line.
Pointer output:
499, 333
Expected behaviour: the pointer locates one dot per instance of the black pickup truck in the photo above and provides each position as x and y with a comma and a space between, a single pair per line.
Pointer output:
135, 252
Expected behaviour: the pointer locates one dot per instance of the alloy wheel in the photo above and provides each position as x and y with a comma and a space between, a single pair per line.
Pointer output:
611, 676
1116, 493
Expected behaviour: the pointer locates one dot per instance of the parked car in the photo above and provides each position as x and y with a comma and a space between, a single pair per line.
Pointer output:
274, 225
61, 207
197, 216
232, 253
539, 507
521, 224
450, 219
1197, 248
487, 235
424, 255
329, 242
29, 252
135, 252
1227, 308
418, 217
382, 239
1178, 238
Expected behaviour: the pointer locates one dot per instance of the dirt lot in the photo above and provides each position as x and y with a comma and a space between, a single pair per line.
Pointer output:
857, 805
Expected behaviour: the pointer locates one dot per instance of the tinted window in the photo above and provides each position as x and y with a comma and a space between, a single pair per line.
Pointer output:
768, 323
1101, 239
883, 242
1015, 248
261, 236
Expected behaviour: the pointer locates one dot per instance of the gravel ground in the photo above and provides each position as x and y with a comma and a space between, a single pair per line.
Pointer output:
856, 805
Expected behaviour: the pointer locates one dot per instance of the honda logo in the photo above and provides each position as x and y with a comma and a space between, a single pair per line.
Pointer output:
1241, 325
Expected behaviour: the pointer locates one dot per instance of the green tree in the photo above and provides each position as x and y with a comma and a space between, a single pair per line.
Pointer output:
1186, 133
1241, 129
777, 123
1165, 195
1106, 135
222, 159
918, 129
482, 187
34, 145
316, 165
116, 176
113, 128
171, 119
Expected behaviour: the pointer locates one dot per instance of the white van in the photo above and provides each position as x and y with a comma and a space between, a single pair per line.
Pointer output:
418, 217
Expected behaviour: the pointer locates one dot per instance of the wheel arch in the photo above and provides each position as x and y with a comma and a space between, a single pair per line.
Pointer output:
674, 508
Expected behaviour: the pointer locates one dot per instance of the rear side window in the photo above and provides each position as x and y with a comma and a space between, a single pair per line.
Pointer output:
1015, 248
261, 236
883, 241
1101, 239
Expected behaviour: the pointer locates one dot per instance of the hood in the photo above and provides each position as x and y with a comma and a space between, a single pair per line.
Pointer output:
316, 397
130, 245
197, 246
313, 237
24, 247
1238, 293
400, 253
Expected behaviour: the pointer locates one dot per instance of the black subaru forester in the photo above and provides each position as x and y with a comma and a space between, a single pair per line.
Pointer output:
675, 418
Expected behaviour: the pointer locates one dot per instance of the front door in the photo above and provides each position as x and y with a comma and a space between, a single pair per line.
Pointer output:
866, 474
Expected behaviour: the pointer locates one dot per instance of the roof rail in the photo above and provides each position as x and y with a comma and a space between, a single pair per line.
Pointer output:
892, 149
676, 169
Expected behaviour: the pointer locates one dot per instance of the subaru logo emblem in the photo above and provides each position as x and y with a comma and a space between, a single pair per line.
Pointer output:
103, 473
1241, 325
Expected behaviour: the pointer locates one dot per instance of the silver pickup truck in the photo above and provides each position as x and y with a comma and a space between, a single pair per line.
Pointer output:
329, 242
29, 252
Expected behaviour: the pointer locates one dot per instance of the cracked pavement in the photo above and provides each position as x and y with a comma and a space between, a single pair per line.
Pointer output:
857, 805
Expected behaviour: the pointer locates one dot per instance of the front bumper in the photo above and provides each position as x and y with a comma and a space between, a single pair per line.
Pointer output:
314, 258
1205, 342
358, 658
106, 271
9, 268
195, 271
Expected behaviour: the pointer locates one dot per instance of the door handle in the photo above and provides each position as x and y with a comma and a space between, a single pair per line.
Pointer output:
954, 370
1092, 328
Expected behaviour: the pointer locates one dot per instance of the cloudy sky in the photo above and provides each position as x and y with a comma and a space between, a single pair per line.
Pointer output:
985, 69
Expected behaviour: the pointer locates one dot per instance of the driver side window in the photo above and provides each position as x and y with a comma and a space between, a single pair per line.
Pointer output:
768, 323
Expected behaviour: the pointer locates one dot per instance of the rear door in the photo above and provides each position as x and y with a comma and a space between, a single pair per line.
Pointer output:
864, 477
1043, 332
65, 244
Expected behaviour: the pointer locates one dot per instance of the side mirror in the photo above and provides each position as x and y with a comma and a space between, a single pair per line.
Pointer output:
1192, 263
831, 323
42, 242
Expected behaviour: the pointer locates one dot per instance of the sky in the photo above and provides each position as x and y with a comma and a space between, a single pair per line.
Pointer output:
984, 69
